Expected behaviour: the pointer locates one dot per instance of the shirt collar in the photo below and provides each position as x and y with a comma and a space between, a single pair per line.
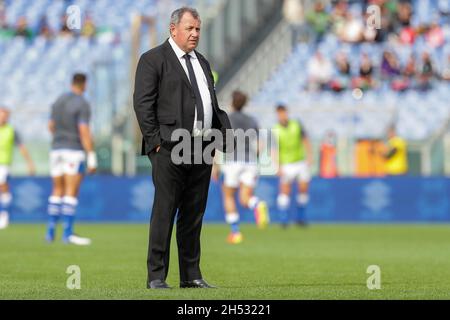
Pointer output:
179, 52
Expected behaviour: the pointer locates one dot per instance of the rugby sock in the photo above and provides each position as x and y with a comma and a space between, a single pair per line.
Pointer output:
5, 202
233, 220
302, 201
69, 207
54, 211
283, 202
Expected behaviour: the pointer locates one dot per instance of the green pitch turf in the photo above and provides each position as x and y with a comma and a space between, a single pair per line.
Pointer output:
320, 262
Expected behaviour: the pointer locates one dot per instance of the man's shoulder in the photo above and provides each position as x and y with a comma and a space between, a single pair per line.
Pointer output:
155, 52
244, 117
65, 95
251, 119
62, 98
74, 101
399, 141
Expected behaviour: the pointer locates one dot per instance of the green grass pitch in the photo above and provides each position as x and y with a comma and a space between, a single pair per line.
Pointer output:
320, 262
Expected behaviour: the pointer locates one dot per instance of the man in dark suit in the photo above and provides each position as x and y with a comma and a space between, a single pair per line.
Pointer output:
174, 90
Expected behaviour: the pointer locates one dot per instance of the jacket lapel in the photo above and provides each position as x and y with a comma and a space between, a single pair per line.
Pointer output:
176, 62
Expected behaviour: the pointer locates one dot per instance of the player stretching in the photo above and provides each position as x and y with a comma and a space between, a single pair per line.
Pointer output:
8, 139
241, 172
294, 157
72, 140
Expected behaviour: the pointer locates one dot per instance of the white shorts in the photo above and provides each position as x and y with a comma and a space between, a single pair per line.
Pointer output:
4, 173
236, 173
67, 162
295, 171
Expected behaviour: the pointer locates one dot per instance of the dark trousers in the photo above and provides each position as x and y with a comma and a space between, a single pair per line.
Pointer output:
183, 189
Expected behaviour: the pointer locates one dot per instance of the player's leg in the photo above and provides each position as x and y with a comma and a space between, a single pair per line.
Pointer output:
284, 202
287, 176
73, 175
54, 207
229, 188
302, 202
248, 199
55, 200
5, 197
304, 179
231, 215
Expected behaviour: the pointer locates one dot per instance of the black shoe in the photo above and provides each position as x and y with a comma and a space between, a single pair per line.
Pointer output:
196, 284
158, 284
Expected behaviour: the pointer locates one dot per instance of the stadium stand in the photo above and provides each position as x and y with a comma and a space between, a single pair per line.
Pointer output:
418, 112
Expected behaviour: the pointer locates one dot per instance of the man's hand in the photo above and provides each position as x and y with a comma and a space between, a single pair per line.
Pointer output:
158, 148
92, 162
215, 174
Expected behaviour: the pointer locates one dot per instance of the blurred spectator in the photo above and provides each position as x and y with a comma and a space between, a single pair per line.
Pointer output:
408, 75
5, 30
427, 73
342, 78
389, 66
365, 80
22, 29
352, 30
407, 35
319, 20
410, 68
320, 71
338, 17
435, 36
44, 29
404, 14
88, 30
293, 13
65, 30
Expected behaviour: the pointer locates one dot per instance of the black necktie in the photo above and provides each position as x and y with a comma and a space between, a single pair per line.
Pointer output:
198, 97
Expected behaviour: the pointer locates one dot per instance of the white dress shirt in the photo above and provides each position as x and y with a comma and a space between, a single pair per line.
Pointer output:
202, 86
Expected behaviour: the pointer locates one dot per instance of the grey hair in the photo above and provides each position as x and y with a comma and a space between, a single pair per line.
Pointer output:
178, 14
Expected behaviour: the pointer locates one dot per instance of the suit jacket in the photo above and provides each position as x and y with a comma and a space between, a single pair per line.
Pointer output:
164, 100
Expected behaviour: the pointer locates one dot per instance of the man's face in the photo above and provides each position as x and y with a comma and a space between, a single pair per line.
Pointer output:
79, 87
283, 117
187, 33
4, 115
